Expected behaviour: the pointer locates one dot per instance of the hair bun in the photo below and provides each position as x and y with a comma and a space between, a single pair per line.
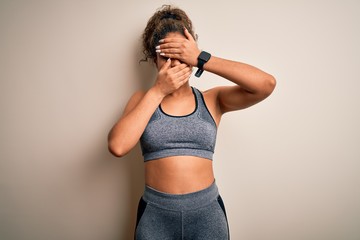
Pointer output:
170, 15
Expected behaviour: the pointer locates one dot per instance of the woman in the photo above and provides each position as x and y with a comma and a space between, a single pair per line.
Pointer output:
176, 125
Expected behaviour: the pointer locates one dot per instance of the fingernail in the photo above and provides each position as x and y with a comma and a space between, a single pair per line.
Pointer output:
157, 50
162, 54
157, 47
161, 40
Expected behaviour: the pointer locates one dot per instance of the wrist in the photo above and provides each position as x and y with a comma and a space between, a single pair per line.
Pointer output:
195, 59
156, 93
203, 58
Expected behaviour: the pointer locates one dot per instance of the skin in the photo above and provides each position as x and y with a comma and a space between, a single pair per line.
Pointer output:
176, 54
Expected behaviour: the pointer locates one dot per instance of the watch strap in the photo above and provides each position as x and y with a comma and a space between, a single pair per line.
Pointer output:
202, 59
199, 72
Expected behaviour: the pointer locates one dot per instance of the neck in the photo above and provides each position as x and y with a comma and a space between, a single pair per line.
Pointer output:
183, 90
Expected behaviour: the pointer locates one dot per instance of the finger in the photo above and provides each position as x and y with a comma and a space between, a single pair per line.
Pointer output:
171, 55
185, 78
179, 67
183, 72
188, 35
171, 52
186, 74
169, 40
166, 65
183, 81
170, 45
182, 77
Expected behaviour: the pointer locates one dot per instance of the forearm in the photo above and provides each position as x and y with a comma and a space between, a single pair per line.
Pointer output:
246, 76
127, 131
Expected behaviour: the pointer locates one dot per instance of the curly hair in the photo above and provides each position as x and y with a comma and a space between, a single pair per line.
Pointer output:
165, 20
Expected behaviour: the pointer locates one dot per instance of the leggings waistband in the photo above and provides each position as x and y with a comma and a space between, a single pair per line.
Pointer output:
180, 202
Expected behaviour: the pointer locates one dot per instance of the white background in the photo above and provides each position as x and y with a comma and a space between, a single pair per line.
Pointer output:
287, 168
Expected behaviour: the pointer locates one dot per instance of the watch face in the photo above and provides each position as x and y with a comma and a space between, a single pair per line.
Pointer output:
205, 56
202, 59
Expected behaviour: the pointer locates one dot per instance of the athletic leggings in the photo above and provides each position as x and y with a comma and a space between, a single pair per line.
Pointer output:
195, 216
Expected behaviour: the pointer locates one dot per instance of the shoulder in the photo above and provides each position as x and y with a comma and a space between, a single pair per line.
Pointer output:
137, 96
134, 100
213, 94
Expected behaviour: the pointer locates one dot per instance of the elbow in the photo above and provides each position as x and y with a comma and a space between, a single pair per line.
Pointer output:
269, 85
116, 149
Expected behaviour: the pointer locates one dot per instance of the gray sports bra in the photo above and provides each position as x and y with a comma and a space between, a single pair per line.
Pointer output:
190, 135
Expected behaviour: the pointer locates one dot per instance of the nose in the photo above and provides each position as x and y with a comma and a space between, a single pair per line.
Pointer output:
175, 62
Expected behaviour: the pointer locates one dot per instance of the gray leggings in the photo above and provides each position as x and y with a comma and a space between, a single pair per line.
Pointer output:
193, 216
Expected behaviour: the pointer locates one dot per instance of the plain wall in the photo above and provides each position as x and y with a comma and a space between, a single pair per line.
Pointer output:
287, 168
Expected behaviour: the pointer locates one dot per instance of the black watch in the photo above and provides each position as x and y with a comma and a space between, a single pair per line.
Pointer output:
202, 59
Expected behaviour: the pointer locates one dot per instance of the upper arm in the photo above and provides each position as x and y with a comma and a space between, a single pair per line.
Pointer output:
131, 104
133, 101
232, 98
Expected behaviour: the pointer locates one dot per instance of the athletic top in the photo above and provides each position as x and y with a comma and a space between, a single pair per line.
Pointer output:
189, 135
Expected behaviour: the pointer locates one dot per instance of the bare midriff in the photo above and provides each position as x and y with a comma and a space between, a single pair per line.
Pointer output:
179, 174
